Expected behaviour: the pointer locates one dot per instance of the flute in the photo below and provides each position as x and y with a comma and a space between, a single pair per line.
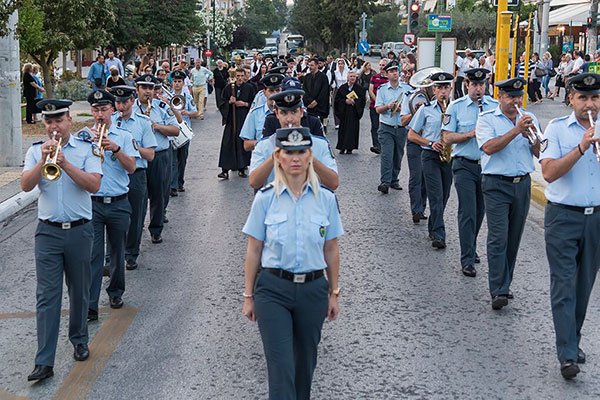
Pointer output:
596, 134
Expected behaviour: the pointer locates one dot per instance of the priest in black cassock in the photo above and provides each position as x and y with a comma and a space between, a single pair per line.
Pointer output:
234, 106
349, 105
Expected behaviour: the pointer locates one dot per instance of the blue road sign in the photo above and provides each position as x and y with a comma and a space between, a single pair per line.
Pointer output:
363, 47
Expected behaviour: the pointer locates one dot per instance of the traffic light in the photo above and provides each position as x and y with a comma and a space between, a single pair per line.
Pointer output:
359, 25
369, 23
589, 22
414, 14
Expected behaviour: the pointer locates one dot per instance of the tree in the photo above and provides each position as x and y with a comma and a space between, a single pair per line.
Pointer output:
258, 19
7, 9
130, 31
282, 11
66, 24
387, 26
224, 29
173, 21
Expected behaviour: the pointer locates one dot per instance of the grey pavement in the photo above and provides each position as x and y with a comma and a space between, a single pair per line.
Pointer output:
411, 326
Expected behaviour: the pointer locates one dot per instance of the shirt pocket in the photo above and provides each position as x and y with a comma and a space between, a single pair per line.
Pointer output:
567, 145
466, 126
318, 226
276, 227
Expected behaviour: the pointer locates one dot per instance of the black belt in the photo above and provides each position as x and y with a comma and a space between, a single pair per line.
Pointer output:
467, 160
108, 199
161, 151
139, 169
513, 179
66, 225
391, 126
296, 278
584, 210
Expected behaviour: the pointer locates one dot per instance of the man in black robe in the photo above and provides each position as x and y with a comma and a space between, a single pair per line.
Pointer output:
316, 89
234, 106
349, 105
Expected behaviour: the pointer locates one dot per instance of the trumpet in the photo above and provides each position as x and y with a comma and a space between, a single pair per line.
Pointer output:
533, 135
98, 149
446, 153
596, 134
50, 170
176, 101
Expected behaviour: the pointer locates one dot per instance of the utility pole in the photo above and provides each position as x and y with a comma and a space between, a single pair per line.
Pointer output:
593, 31
545, 23
11, 154
441, 6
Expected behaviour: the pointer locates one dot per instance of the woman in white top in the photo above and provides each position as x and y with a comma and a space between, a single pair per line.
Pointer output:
340, 77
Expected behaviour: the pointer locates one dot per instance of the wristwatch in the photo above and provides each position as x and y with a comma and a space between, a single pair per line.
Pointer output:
430, 144
335, 292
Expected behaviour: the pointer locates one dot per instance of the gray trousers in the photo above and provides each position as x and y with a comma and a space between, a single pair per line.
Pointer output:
374, 127
138, 201
158, 181
178, 165
467, 181
392, 141
113, 217
59, 251
438, 180
290, 318
572, 248
416, 181
167, 182
506, 208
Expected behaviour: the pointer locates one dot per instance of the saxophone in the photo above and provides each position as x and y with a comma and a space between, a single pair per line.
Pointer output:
446, 153
149, 108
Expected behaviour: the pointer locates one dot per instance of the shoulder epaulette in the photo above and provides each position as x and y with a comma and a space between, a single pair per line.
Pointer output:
162, 104
36, 143
557, 119
85, 134
143, 116
488, 112
319, 137
267, 187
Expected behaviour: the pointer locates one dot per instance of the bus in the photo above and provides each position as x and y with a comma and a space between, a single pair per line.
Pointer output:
295, 44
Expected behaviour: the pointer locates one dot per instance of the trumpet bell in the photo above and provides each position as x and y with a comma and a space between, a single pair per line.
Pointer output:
51, 172
421, 78
178, 102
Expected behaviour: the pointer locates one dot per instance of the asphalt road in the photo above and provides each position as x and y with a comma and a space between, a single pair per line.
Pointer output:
411, 326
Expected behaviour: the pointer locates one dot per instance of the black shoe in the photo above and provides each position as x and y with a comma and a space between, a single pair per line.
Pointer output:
580, 356
40, 372
383, 188
116, 302
438, 244
242, 174
375, 150
569, 369
348, 151
173, 193
181, 189
223, 175
477, 259
396, 186
431, 237
499, 301
469, 270
417, 217
106, 271
81, 352
92, 315
510, 295
423, 216
156, 239
342, 151
130, 265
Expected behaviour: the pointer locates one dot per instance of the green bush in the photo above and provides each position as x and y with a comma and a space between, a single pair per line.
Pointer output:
68, 76
75, 90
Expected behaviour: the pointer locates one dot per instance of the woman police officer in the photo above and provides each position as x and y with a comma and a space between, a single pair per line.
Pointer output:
292, 231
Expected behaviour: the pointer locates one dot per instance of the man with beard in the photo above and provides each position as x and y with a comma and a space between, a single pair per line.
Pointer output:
349, 106
316, 88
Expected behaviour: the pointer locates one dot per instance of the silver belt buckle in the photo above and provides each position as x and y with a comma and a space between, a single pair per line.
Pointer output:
299, 278
107, 200
588, 211
66, 225
517, 180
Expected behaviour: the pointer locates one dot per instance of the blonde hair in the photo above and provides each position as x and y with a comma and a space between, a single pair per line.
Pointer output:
280, 178
35, 68
27, 67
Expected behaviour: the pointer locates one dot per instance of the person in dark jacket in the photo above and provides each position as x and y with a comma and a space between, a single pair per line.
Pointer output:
316, 88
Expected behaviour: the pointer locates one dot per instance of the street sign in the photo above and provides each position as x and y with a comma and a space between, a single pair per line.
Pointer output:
208, 52
567, 47
439, 23
363, 47
409, 39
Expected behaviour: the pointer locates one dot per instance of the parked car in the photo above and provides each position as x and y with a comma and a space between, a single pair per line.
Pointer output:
238, 52
375, 50
270, 50
386, 47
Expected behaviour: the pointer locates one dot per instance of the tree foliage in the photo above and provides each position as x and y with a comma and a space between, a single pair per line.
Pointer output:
171, 22
387, 26
8, 7
258, 19
224, 27
130, 30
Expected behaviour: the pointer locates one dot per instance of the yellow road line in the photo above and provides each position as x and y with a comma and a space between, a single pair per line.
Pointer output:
537, 194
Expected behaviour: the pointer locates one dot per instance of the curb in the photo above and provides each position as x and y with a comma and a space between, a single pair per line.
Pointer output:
537, 194
18, 202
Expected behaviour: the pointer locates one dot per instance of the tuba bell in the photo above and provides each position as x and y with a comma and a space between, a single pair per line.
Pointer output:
421, 80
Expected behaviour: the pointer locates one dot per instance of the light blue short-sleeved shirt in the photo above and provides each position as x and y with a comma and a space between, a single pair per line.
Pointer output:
294, 230
581, 185
428, 121
461, 117
162, 114
115, 179
255, 122
516, 159
266, 146
63, 200
259, 99
404, 108
387, 94
138, 125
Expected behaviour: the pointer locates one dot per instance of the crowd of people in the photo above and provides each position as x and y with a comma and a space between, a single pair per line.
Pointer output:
275, 113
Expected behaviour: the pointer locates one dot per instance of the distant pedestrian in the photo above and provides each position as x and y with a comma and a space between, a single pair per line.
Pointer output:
376, 81
30, 88
114, 61
316, 88
349, 106
98, 74
200, 78
221, 79
549, 68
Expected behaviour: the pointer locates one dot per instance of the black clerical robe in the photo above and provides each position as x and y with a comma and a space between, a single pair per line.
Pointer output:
232, 155
349, 115
316, 87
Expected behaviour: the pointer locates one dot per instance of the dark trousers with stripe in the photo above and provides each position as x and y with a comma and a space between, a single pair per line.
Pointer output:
438, 180
467, 181
157, 184
290, 318
167, 182
113, 217
374, 117
59, 252
138, 201
572, 248
416, 181
506, 208
392, 141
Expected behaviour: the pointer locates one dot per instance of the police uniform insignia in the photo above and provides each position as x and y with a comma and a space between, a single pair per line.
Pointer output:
273, 79
478, 74
517, 85
98, 95
162, 104
113, 157
95, 149
446, 119
119, 122
289, 98
135, 145
170, 112
50, 107
120, 92
322, 231
292, 84
265, 188
589, 80
148, 78
294, 137
40, 142
84, 134
543, 145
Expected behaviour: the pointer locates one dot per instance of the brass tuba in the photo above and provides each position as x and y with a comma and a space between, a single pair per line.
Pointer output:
446, 153
421, 80
50, 170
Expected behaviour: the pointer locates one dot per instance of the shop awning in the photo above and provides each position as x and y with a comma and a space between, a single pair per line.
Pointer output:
575, 14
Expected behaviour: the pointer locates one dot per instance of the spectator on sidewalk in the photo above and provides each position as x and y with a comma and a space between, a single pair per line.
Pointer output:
98, 73
537, 71
114, 61
38, 80
114, 79
30, 88
201, 76
221, 78
548, 67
